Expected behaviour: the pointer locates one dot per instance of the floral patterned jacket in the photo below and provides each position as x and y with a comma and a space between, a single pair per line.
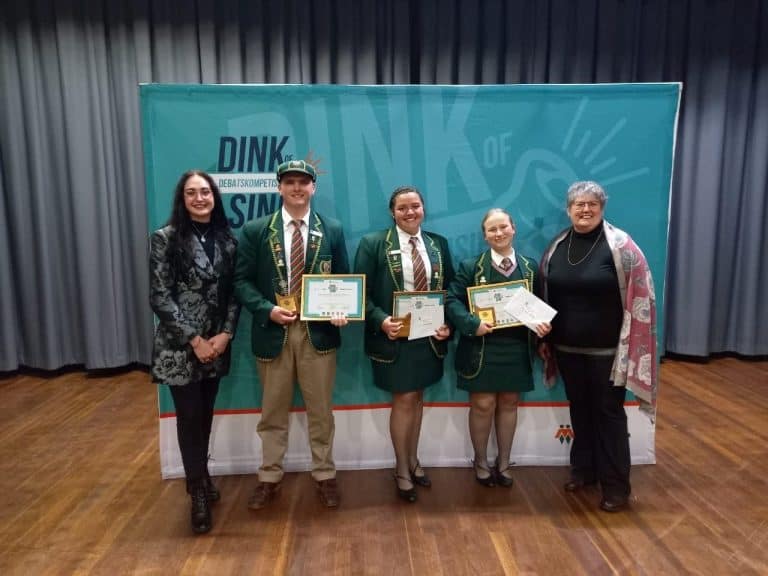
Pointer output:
199, 300
635, 364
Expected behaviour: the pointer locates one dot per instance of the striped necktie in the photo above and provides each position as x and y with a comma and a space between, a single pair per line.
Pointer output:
506, 264
297, 257
419, 271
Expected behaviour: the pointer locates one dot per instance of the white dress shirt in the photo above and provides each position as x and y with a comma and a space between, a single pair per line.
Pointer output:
497, 258
405, 250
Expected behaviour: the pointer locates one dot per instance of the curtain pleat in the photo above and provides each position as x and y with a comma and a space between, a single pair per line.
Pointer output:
73, 236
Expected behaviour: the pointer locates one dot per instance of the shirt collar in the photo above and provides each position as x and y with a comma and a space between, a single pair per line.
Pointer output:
405, 238
287, 218
497, 258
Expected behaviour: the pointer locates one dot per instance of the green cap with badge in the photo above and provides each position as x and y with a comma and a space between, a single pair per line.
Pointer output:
300, 166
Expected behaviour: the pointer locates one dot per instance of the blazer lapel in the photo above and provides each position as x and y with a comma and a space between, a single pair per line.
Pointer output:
203, 266
218, 253
315, 237
222, 254
481, 268
436, 262
394, 258
277, 249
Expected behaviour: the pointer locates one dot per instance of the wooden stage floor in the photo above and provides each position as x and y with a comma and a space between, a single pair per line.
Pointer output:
80, 493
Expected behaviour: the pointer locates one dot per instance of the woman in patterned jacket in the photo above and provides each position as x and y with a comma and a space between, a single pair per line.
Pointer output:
192, 262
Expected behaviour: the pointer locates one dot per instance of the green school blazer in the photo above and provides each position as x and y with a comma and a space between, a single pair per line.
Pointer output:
469, 352
261, 266
379, 258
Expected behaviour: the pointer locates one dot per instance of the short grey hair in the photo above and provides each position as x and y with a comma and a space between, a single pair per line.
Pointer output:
586, 188
493, 211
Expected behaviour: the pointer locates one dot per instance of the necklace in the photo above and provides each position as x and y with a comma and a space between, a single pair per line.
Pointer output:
568, 255
201, 235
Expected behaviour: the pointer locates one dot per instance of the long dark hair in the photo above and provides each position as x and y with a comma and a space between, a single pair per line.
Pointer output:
182, 223
180, 219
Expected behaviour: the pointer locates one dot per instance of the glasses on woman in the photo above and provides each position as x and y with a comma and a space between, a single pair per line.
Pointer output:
581, 205
193, 192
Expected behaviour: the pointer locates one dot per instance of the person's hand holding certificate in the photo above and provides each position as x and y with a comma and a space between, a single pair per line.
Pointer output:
332, 296
427, 310
529, 309
487, 301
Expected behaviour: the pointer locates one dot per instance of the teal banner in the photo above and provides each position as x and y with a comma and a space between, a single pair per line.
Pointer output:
467, 148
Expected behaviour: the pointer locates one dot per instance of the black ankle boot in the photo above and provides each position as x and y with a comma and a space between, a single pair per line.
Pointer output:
200, 513
211, 492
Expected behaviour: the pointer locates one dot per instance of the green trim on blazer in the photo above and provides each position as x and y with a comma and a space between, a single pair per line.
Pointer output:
379, 258
470, 351
261, 267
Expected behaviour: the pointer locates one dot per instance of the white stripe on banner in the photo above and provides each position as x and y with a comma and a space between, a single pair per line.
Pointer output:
362, 440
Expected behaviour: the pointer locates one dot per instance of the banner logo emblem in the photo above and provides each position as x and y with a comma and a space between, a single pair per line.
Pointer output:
564, 434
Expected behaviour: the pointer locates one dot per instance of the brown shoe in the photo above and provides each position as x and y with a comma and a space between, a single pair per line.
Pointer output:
263, 494
329, 492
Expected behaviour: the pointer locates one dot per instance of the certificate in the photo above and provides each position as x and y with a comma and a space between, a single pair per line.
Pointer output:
495, 297
529, 309
426, 309
328, 296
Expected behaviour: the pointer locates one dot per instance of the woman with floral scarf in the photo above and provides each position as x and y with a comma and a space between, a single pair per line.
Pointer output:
603, 339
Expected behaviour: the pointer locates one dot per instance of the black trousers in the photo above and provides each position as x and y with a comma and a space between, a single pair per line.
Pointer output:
194, 418
600, 449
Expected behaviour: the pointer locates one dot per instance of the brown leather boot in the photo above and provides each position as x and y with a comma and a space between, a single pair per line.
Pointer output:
264, 493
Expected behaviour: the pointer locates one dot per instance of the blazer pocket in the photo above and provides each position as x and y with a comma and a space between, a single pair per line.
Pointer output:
380, 348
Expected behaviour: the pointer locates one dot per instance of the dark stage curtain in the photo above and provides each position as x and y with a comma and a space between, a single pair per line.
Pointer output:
73, 238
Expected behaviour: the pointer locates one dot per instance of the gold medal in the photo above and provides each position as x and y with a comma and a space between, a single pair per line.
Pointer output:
288, 302
486, 315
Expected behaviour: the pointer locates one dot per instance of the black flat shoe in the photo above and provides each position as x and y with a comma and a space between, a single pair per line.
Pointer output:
502, 480
575, 484
407, 494
613, 504
488, 482
422, 480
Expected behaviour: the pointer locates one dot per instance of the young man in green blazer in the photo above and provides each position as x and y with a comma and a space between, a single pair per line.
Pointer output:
273, 253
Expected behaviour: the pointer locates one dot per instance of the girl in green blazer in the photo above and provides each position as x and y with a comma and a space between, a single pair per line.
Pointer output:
403, 258
495, 366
